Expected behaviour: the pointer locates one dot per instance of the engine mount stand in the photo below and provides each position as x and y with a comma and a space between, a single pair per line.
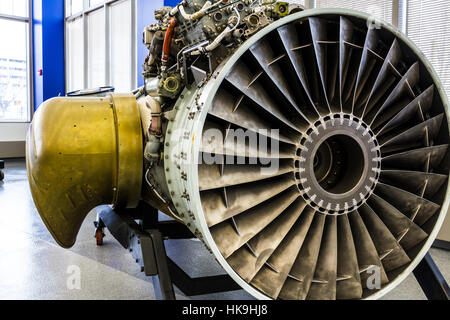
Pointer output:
145, 242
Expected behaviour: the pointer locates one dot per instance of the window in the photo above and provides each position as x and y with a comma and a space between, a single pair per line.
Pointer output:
300, 2
73, 7
428, 26
14, 7
379, 8
75, 74
96, 49
101, 44
15, 95
121, 45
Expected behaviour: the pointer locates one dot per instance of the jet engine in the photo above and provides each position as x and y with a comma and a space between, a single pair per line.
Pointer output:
307, 149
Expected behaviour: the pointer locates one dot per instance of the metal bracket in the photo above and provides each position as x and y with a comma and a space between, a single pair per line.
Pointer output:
431, 280
145, 242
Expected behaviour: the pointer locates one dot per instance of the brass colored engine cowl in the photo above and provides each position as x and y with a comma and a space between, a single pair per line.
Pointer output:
82, 153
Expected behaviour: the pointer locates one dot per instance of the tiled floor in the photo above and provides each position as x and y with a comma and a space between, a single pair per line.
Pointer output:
32, 266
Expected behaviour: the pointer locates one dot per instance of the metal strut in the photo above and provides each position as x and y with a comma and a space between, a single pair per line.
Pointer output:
431, 280
145, 242
2, 166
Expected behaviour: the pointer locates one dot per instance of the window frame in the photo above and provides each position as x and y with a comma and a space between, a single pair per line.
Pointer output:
87, 9
30, 63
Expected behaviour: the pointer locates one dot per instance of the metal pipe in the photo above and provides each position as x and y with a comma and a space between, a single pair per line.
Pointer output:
168, 40
197, 15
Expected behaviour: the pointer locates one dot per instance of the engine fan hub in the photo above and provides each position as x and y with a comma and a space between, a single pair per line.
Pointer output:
339, 164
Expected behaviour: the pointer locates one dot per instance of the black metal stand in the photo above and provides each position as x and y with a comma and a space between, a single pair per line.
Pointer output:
431, 280
2, 166
145, 241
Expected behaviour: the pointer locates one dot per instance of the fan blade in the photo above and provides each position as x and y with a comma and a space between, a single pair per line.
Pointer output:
321, 44
414, 207
348, 284
226, 108
419, 159
218, 142
385, 79
418, 136
241, 198
213, 177
289, 37
365, 250
391, 253
419, 183
240, 77
402, 89
265, 56
263, 245
347, 74
323, 286
404, 230
250, 223
367, 64
301, 275
418, 107
270, 281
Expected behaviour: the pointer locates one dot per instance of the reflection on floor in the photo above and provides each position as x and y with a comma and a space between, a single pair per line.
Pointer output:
32, 266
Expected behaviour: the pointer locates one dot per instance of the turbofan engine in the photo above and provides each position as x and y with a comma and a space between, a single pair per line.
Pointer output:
307, 149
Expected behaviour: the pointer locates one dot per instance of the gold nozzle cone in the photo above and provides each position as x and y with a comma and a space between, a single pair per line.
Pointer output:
82, 153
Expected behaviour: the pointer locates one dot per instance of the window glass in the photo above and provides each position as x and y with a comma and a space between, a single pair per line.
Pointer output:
75, 50
428, 26
93, 3
14, 88
110, 47
77, 6
96, 49
14, 7
301, 2
121, 46
379, 8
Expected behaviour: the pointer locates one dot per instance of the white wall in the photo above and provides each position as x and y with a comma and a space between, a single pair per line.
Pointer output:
13, 131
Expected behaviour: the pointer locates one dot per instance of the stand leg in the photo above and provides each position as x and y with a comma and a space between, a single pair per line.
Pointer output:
2, 166
162, 281
431, 280
145, 241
